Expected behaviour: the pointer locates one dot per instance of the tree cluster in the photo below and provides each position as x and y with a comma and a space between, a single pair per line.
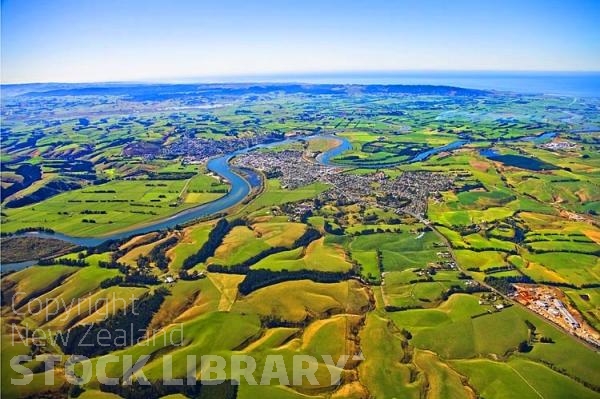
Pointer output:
215, 239
256, 279
83, 339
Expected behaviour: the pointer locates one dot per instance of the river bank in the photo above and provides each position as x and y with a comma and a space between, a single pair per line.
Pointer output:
242, 185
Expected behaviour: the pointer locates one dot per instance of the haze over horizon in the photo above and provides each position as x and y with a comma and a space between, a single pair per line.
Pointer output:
158, 41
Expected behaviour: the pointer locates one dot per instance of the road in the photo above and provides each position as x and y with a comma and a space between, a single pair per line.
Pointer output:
506, 297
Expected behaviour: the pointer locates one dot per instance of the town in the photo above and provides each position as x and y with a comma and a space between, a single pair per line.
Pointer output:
409, 192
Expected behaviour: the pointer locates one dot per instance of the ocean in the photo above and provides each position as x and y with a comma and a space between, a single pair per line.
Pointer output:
575, 84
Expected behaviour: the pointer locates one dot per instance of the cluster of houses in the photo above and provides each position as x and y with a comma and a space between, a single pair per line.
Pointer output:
559, 146
288, 166
417, 186
410, 191
196, 150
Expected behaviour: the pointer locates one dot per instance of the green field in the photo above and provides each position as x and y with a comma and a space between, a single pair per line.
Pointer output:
318, 255
275, 195
244, 242
385, 375
395, 256
574, 267
99, 210
481, 260
399, 251
193, 238
519, 378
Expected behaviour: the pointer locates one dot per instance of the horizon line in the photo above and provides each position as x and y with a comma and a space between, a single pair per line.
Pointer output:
227, 78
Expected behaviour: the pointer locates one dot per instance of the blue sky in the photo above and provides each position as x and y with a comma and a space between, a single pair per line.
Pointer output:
107, 40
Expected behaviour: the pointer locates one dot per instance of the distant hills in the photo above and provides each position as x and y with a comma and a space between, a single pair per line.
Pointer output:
159, 92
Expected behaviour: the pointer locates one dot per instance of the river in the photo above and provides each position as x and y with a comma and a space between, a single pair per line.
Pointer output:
240, 188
